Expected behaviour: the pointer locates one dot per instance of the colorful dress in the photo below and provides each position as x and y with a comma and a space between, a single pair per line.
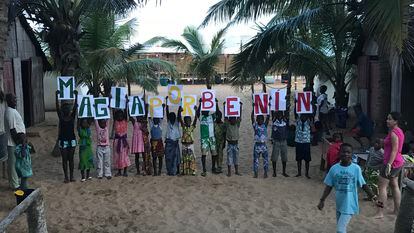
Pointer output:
188, 163
157, 146
85, 149
147, 166
137, 145
121, 147
260, 147
23, 161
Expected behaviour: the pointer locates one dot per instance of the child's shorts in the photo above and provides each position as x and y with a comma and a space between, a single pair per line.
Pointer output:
232, 154
67, 144
279, 148
303, 152
208, 145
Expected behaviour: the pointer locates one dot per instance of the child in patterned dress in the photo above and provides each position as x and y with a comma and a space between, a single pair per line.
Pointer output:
260, 147
120, 145
188, 162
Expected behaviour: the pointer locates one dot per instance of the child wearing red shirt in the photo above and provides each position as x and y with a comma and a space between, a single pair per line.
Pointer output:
332, 156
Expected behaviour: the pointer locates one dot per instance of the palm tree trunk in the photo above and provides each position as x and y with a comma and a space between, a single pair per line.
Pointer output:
264, 90
4, 32
396, 80
208, 82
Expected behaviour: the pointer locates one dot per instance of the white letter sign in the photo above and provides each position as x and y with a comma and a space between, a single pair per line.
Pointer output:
136, 106
174, 95
208, 100
278, 102
85, 106
102, 108
118, 100
66, 86
232, 107
189, 102
261, 104
303, 102
155, 106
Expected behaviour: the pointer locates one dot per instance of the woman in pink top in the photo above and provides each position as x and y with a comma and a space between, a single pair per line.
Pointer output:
393, 163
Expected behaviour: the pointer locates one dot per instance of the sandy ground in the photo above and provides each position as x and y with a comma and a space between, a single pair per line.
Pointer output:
185, 204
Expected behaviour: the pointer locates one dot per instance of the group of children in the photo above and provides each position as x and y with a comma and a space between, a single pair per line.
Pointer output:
148, 143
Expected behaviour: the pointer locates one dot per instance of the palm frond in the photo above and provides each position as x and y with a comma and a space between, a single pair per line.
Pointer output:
195, 40
218, 40
176, 44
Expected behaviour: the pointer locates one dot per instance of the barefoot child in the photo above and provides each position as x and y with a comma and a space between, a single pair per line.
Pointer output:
147, 166
188, 162
279, 140
23, 160
260, 147
220, 135
67, 138
120, 145
85, 148
137, 145
302, 139
172, 146
208, 141
157, 146
232, 126
345, 177
103, 152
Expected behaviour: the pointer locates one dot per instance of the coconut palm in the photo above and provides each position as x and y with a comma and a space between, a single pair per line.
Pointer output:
106, 58
204, 59
60, 22
384, 21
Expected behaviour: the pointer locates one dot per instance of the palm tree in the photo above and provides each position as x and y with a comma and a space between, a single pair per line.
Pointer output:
204, 59
387, 22
106, 58
60, 21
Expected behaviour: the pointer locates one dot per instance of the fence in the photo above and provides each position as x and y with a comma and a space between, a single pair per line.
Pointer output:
33, 205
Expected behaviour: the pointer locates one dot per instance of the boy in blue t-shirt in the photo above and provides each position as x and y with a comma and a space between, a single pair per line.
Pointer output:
346, 177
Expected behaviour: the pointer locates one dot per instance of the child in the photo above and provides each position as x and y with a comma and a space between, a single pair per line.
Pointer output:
346, 177
85, 148
302, 140
332, 155
260, 147
23, 161
103, 152
172, 146
120, 146
67, 138
157, 146
208, 141
376, 155
140, 141
188, 163
279, 140
220, 136
232, 127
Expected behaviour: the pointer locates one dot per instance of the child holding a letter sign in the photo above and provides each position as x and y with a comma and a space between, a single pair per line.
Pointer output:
172, 147
140, 130
260, 147
188, 162
232, 127
303, 146
157, 146
67, 138
279, 140
85, 148
120, 145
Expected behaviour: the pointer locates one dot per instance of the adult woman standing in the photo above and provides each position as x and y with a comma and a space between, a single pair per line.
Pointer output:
393, 163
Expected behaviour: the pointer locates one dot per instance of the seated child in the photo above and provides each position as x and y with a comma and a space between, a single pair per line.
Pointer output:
332, 155
23, 161
376, 155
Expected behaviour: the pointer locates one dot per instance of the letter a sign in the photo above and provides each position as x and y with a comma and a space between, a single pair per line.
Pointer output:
66, 86
303, 102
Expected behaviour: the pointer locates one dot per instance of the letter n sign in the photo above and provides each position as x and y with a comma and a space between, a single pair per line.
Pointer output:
304, 102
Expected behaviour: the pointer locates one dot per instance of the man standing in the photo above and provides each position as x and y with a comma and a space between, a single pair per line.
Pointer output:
13, 125
3, 138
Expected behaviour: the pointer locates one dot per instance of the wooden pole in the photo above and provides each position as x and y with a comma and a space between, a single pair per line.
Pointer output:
34, 206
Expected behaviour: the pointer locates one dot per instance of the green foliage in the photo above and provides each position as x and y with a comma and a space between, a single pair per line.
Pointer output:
106, 58
204, 59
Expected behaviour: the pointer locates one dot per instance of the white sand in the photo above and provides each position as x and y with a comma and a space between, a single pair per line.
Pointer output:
186, 204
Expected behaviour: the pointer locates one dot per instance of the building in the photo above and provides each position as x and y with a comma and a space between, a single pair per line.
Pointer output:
24, 66
182, 61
